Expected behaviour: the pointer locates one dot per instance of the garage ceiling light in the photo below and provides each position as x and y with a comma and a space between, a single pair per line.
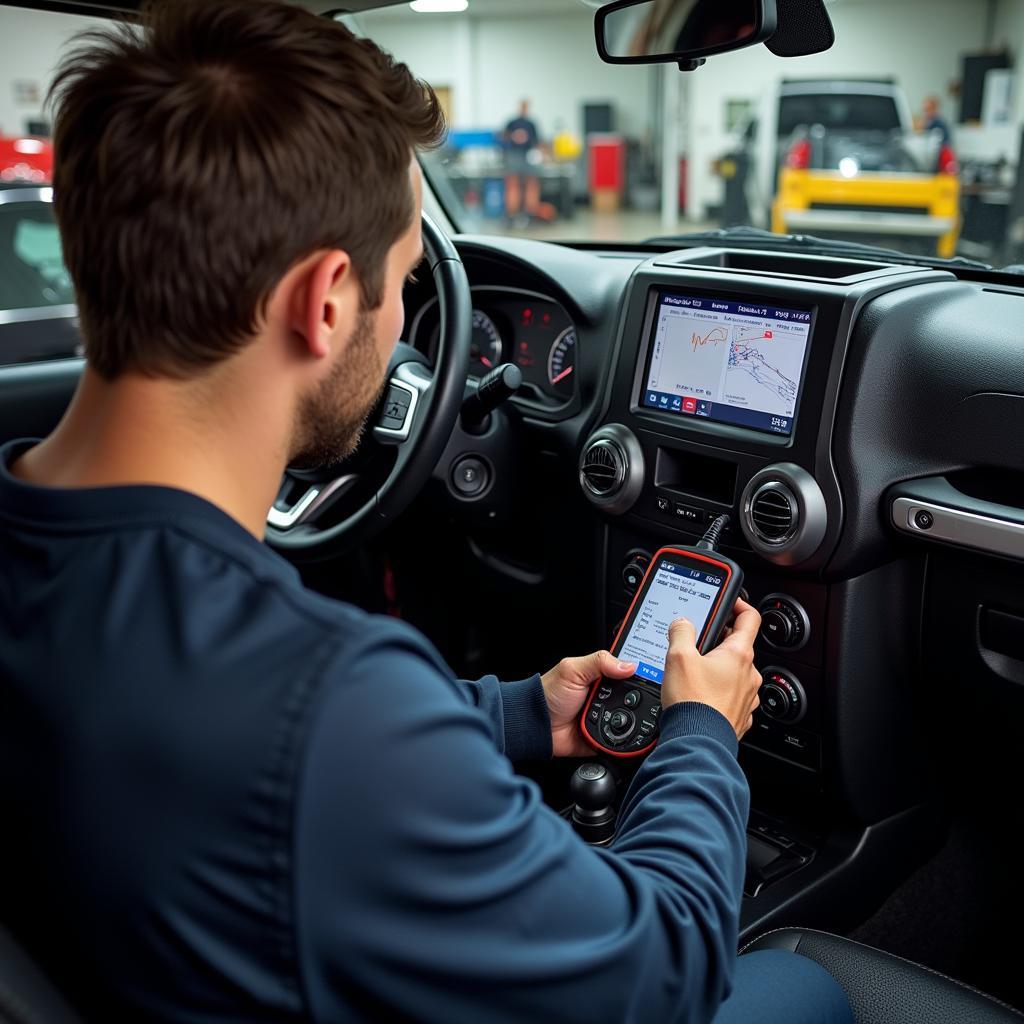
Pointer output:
439, 6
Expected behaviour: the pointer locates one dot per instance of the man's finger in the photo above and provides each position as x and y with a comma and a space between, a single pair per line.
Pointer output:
615, 667
744, 629
601, 663
682, 638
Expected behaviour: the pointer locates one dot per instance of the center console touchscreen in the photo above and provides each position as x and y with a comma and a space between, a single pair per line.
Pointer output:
733, 362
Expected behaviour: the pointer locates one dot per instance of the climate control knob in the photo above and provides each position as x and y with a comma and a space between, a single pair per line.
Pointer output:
781, 695
784, 622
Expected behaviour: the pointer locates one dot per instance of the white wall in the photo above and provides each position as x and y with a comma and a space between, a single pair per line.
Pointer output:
491, 63
1009, 34
920, 43
30, 46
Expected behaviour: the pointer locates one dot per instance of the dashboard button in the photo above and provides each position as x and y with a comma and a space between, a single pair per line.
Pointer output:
776, 627
470, 476
689, 513
663, 504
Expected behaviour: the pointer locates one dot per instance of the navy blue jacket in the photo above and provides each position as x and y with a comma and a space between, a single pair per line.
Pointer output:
227, 798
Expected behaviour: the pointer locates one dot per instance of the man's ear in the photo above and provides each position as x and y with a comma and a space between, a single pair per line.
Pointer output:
322, 301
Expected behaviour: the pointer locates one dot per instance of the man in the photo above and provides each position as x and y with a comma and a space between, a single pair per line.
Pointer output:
522, 186
931, 121
226, 797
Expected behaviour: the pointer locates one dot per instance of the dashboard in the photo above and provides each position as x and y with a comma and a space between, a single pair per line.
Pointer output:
828, 405
514, 325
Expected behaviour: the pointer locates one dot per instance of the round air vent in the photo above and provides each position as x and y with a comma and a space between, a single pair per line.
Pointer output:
774, 514
612, 468
604, 468
784, 516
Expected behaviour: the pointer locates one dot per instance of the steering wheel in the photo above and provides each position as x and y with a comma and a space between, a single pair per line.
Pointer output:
414, 419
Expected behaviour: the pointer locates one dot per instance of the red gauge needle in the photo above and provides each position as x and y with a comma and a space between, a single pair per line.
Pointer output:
565, 373
485, 361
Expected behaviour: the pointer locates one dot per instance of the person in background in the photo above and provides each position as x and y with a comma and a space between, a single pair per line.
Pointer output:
522, 185
932, 122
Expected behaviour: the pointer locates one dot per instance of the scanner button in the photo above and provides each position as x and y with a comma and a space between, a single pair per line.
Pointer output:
631, 699
620, 720
604, 692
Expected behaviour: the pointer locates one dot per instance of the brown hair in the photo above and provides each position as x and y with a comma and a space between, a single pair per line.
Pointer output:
200, 155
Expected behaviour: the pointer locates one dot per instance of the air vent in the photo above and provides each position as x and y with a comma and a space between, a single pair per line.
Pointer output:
783, 514
773, 512
611, 469
604, 468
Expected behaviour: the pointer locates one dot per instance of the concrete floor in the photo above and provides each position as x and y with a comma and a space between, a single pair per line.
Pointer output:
588, 226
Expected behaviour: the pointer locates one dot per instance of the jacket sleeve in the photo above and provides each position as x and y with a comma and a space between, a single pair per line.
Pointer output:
431, 883
517, 712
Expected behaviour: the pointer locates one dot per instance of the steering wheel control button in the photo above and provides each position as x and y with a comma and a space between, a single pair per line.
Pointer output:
470, 476
782, 697
784, 622
631, 699
399, 396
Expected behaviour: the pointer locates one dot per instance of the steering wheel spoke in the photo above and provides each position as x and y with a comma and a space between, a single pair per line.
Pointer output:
307, 508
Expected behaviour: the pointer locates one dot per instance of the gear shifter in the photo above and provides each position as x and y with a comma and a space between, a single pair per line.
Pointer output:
592, 788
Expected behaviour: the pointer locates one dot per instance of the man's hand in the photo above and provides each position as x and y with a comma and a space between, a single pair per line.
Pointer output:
724, 678
566, 687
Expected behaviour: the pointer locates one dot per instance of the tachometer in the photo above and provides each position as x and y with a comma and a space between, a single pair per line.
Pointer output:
562, 362
485, 350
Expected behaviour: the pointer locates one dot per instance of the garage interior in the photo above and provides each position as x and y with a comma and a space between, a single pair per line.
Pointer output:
632, 152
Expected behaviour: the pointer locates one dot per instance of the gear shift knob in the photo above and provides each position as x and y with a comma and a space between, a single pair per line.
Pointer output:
592, 788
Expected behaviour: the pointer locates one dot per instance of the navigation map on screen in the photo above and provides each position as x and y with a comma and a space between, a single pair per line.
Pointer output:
676, 591
735, 362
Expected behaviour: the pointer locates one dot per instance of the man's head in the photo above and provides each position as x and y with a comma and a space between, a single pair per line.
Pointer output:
930, 107
524, 108
239, 167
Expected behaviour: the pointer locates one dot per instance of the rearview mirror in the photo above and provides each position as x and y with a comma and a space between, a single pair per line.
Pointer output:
687, 31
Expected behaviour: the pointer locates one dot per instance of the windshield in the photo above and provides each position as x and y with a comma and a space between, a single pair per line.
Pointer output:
906, 134
860, 143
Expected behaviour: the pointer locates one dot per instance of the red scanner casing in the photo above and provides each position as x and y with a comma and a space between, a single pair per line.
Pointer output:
650, 695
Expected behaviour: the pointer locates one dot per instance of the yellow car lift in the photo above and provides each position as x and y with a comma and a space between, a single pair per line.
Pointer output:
814, 201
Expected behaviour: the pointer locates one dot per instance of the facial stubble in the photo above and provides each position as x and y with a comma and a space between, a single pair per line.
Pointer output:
330, 420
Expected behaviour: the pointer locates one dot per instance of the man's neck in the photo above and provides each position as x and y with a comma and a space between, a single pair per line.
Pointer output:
139, 430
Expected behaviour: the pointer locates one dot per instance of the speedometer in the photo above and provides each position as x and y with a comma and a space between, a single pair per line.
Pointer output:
485, 350
562, 362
